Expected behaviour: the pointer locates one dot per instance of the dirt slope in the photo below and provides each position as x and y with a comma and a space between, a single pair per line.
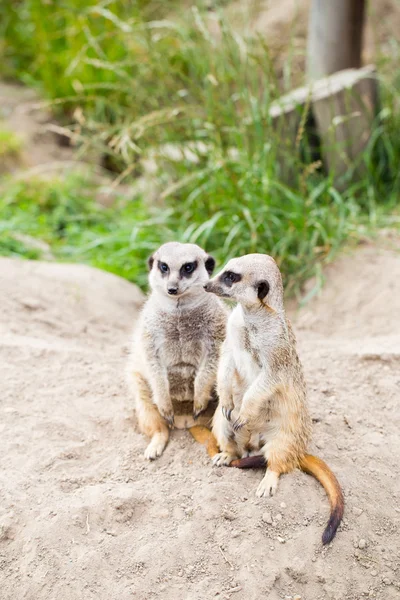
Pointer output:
83, 516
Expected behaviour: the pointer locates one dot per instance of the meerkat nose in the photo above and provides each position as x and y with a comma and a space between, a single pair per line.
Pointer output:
206, 287
173, 291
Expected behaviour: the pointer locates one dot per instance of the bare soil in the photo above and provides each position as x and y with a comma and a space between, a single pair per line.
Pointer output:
84, 516
26, 115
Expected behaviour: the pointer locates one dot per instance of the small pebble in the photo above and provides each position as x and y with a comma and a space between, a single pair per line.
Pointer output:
357, 511
267, 518
283, 505
386, 581
279, 517
280, 539
228, 515
362, 544
374, 573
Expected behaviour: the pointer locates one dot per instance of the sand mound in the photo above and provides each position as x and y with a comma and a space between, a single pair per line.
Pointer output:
83, 516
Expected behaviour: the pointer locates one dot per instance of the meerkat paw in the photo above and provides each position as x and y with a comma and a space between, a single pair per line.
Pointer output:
268, 485
240, 422
156, 446
223, 459
199, 407
226, 403
227, 412
168, 415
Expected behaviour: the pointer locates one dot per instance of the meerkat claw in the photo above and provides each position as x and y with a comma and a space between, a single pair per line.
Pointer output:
170, 418
227, 412
239, 423
197, 413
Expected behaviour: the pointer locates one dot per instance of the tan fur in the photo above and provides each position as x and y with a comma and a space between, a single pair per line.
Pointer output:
176, 344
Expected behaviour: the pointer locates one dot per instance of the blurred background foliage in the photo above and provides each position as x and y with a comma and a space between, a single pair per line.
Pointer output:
172, 99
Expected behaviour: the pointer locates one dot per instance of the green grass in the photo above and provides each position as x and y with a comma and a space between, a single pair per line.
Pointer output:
129, 80
10, 144
63, 214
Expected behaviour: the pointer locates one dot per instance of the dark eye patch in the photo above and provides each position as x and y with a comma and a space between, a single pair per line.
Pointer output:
229, 278
164, 268
187, 269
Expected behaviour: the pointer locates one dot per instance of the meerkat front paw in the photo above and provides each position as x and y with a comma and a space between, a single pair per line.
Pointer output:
227, 407
199, 407
268, 485
167, 413
240, 422
223, 459
227, 412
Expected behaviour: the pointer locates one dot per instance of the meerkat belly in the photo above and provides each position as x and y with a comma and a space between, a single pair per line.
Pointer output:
181, 378
246, 366
182, 359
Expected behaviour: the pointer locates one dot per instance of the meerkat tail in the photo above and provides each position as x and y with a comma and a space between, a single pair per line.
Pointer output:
204, 436
316, 467
319, 469
312, 465
249, 462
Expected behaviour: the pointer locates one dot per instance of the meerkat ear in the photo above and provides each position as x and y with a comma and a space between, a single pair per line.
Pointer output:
150, 262
262, 289
210, 264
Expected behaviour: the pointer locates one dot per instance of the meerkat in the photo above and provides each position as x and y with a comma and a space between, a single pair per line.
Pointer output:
260, 383
176, 343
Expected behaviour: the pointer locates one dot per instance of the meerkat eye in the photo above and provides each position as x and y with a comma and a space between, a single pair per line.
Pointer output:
163, 267
188, 268
231, 278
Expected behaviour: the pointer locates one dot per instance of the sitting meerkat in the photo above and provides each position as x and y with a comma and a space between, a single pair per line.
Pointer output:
260, 384
176, 342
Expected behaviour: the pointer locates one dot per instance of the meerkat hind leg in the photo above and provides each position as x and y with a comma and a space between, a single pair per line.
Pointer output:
150, 421
157, 445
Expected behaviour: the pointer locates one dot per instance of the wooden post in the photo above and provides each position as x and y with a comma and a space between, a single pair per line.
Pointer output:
334, 36
343, 105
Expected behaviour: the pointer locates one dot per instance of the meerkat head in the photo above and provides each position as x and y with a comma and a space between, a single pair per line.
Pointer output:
252, 280
178, 270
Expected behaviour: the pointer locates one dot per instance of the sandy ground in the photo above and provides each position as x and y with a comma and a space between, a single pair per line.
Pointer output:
84, 516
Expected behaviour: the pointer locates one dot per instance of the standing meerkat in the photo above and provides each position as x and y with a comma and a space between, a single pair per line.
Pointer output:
261, 387
176, 342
